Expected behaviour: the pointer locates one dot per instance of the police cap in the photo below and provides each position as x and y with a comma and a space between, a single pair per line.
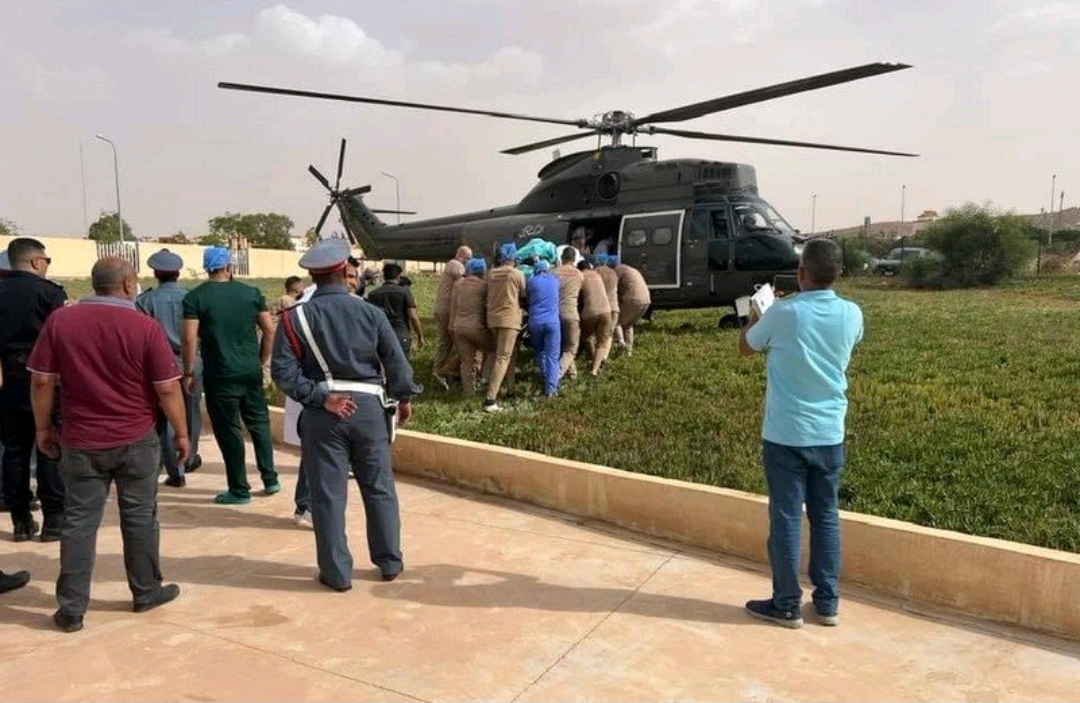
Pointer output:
5, 263
166, 261
327, 256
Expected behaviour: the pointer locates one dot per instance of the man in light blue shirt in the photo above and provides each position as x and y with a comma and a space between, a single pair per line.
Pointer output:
808, 340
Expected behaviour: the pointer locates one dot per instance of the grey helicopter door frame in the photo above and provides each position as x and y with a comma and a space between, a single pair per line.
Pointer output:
651, 242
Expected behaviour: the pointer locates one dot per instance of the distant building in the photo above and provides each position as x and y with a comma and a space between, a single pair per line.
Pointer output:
927, 216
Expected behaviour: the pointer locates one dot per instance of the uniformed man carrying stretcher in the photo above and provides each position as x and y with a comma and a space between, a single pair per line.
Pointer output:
330, 355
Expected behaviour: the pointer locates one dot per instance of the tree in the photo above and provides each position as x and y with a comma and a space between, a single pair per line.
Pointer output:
978, 247
8, 228
212, 240
263, 230
178, 238
105, 229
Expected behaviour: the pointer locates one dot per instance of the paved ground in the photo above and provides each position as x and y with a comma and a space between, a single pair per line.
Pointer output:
499, 602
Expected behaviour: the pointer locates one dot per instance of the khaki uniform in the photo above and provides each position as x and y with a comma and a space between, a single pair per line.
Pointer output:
634, 300
446, 362
468, 324
595, 319
569, 317
506, 290
611, 287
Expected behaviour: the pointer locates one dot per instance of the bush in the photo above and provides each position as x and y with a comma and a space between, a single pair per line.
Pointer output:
978, 247
857, 261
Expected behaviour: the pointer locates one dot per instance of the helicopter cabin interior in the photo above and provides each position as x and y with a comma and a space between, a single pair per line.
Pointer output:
697, 255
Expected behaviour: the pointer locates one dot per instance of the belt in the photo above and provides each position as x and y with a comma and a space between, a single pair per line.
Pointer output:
355, 387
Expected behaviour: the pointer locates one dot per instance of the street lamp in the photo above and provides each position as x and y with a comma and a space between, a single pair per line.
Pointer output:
397, 192
1050, 232
116, 172
813, 214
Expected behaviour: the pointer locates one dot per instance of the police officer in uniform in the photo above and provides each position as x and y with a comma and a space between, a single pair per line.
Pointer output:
329, 355
26, 299
165, 304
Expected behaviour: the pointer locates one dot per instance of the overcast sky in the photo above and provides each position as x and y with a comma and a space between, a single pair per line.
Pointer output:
991, 103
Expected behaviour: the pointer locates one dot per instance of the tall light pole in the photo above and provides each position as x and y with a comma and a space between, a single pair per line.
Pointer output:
116, 172
813, 214
903, 199
397, 192
1050, 232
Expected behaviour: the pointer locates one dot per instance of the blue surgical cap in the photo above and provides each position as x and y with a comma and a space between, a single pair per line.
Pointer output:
507, 251
540, 266
612, 260
215, 258
475, 267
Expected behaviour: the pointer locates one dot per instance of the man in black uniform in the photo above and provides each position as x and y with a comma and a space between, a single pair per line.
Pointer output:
329, 355
26, 299
396, 300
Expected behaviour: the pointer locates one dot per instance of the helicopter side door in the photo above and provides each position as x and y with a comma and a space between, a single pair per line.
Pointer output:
650, 242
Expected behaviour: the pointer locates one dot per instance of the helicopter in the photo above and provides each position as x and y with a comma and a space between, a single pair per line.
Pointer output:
697, 230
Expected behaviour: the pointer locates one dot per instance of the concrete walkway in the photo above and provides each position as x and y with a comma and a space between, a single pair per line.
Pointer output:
499, 602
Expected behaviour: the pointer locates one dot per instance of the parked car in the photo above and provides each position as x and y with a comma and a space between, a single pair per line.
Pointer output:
897, 257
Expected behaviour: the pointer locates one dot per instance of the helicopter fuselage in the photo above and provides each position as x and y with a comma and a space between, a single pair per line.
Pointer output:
697, 230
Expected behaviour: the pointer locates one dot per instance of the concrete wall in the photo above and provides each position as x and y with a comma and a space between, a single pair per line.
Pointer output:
990, 579
73, 258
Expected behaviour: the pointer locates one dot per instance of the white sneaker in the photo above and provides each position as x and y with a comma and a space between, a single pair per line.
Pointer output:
303, 520
491, 407
441, 380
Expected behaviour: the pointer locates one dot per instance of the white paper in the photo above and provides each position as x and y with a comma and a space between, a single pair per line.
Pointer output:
763, 298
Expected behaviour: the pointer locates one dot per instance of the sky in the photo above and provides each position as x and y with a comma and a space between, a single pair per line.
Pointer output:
990, 103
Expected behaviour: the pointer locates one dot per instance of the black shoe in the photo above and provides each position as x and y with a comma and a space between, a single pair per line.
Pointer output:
50, 530
11, 582
331, 586
26, 529
167, 593
386, 576
767, 610
194, 465
67, 623
175, 482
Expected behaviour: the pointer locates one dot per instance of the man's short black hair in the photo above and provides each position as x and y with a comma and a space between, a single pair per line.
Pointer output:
823, 261
166, 276
22, 249
390, 271
291, 281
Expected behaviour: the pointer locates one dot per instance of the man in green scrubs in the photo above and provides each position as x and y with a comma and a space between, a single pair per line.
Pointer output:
225, 316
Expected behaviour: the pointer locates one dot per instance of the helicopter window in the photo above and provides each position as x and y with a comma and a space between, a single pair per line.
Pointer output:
661, 236
758, 216
637, 238
720, 224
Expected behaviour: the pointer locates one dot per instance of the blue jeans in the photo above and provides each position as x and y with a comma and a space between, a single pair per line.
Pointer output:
796, 475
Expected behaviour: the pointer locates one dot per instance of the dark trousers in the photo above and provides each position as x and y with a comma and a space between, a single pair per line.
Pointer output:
87, 475
330, 446
166, 434
227, 403
18, 437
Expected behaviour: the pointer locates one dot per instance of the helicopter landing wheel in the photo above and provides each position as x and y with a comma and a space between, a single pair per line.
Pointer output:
731, 321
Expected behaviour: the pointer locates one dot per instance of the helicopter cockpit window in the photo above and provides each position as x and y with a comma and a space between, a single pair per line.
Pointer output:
637, 238
720, 224
661, 236
758, 217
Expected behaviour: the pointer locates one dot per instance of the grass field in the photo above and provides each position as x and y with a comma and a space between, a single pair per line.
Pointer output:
963, 413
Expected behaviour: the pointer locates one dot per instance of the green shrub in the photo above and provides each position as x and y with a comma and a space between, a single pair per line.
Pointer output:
856, 259
978, 247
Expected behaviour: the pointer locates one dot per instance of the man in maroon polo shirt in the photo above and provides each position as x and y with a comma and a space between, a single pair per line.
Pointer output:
115, 367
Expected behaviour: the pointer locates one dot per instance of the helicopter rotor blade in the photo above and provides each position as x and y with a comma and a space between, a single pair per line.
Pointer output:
774, 142
355, 191
395, 103
321, 178
340, 164
546, 143
728, 102
394, 212
325, 214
